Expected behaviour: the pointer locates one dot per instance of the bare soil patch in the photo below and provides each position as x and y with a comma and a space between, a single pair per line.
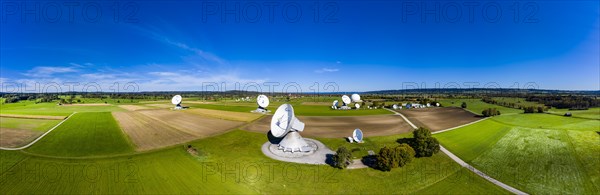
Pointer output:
33, 116
193, 124
317, 103
97, 104
12, 138
169, 105
134, 107
226, 115
341, 126
151, 129
439, 118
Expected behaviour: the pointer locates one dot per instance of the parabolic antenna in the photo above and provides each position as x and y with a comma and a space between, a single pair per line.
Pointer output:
437, 104
335, 104
357, 105
176, 100
395, 106
263, 101
284, 121
355, 97
346, 99
357, 135
285, 124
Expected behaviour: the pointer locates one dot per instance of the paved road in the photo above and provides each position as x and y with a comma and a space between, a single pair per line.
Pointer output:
40, 137
463, 163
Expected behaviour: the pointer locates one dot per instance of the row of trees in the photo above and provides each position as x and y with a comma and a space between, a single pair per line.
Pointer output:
490, 112
533, 109
570, 101
421, 145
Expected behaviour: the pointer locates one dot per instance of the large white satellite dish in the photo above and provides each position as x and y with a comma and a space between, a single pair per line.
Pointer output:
285, 124
335, 104
263, 101
395, 106
357, 135
357, 105
355, 97
346, 100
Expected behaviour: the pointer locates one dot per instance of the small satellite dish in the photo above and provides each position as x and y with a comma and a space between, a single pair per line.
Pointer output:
428, 105
357, 135
437, 104
395, 107
176, 100
335, 104
346, 99
357, 105
355, 97
263, 101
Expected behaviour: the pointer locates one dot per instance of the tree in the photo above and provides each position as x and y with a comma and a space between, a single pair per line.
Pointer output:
540, 109
529, 109
389, 158
490, 112
342, 158
463, 105
404, 153
384, 161
424, 144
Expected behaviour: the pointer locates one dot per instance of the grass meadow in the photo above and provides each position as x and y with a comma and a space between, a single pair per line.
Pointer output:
27, 124
536, 153
84, 134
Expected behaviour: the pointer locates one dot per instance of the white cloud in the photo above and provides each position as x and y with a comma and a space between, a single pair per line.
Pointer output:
326, 70
47, 71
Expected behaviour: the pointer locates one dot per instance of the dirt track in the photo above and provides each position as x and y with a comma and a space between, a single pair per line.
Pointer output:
134, 107
12, 138
151, 129
439, 118
341, 126
33, 116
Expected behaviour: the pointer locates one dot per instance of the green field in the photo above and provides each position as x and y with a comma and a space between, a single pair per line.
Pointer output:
592, 113
51, 109
536, 153
27, 124
300, 110
84, 134
231, 163
477, 106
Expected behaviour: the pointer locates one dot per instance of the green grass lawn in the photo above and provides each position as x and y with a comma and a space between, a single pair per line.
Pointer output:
549, 121
27, 124
471, 141
51, 109
477, 106
536, 153
231, 163
300, 110
592, 113
84, 134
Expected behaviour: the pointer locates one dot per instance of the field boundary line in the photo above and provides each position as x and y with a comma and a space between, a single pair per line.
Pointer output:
452, 128
463, 163
41, 136
403, 117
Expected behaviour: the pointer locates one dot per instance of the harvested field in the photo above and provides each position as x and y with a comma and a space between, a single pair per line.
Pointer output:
439, 118
193, 124
336, 127
199, 102
12, 138
97, 104
169, 105
147, 133
317, 103
134, 107
227, 115
33, 116
151, 129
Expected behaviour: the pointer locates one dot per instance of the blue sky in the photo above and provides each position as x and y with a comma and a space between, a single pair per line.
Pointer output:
357, 45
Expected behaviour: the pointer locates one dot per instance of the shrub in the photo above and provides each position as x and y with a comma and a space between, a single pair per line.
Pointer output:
490, 112
463, 105
425, 145
529, 109
342, 158
540, 109
389, 158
